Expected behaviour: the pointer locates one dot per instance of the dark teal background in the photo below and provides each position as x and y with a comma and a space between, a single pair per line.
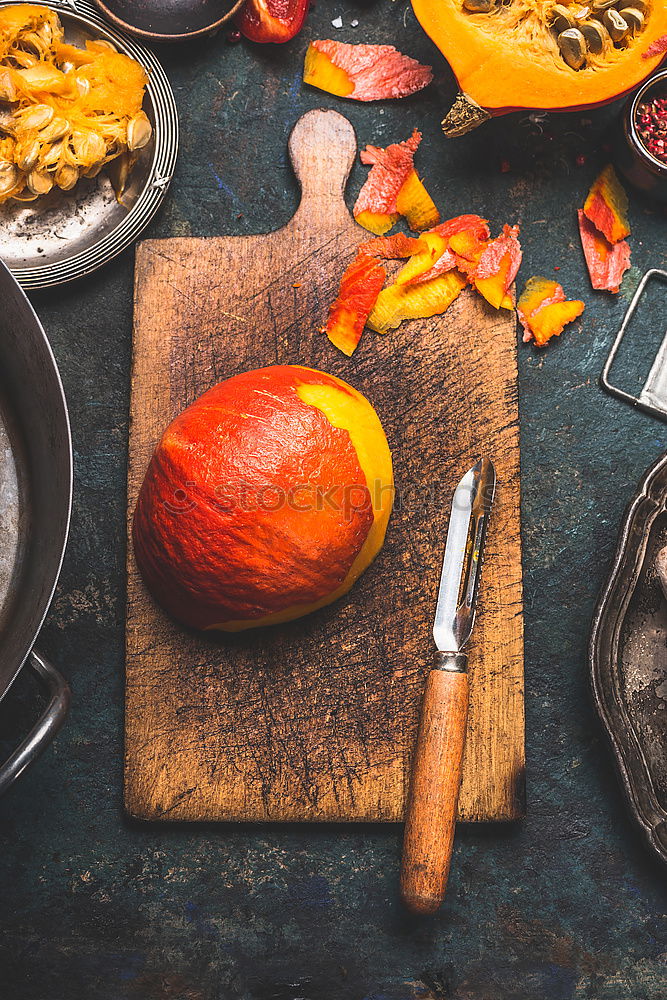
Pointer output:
564, 906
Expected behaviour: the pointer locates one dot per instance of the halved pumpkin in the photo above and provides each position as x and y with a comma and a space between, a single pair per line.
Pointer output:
509, 55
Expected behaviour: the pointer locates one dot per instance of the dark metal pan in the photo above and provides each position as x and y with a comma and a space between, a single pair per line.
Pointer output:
35, 503
628, 659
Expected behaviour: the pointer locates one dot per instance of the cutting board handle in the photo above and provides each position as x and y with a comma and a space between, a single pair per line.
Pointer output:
322, 148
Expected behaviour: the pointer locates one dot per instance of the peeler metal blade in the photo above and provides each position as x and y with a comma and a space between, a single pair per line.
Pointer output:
653, 396
459, 580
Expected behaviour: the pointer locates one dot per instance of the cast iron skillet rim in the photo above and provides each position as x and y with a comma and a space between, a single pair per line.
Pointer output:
626, 746
40, 334
156, 36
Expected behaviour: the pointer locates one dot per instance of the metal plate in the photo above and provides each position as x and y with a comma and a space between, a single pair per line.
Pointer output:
628, 659
69, 234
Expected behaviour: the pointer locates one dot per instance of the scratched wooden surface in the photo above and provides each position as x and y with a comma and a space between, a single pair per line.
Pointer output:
316, 720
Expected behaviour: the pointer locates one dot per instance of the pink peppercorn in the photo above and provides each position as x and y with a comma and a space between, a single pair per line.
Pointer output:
651, 123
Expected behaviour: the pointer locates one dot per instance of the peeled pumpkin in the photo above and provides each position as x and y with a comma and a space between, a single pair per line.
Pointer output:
511, 55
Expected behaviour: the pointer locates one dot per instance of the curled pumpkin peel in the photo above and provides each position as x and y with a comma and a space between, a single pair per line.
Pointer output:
607, 206
607, 262
393, 188
397, 303
526, 54
543, 310
359, 288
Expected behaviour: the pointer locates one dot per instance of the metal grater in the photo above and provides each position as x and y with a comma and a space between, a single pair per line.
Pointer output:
653, 397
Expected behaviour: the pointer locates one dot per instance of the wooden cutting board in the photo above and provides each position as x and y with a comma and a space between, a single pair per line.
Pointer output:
316, 720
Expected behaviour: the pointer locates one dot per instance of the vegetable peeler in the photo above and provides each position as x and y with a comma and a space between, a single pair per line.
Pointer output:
653, 397
437, 764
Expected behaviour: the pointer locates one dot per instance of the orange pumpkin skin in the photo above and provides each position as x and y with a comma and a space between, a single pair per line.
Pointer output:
255, 508
498, 74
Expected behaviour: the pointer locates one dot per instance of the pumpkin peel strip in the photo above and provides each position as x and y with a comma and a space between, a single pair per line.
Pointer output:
607, 206
359, 288
363, 72
400, 302
393, 188
392, 247
543, 310
490, 265
607, 262
433, 260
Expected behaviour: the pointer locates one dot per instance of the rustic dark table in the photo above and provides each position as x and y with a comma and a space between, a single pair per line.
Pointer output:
564, 905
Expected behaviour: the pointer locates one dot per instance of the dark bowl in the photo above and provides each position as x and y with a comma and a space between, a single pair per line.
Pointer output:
643, 170
169, 20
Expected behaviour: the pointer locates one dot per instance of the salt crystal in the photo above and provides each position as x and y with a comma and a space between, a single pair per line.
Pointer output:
354, 23
337, 22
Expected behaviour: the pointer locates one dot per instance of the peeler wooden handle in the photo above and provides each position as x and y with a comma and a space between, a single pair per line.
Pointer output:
434, 788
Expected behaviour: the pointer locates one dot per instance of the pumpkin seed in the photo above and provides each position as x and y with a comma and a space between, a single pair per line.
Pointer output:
597, 37
88, 148
572, 45
26, 155
615, 25
55, 130
560, 18
119, 172
477, 6
39, 182
24, 60
640, 5
36, 117
82, 86
66, 177
7, 88
634, 19
94, 170
45, 32
24, 195
9, 176
139, 132
600, 6
53, 154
